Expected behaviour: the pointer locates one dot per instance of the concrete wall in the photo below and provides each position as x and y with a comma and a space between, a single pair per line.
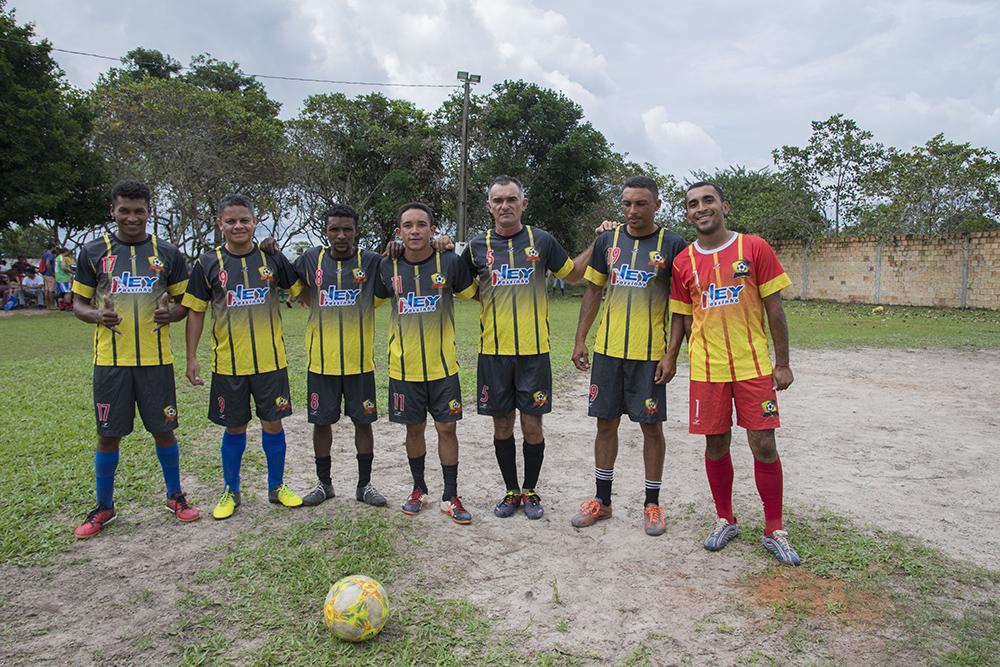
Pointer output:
956, 270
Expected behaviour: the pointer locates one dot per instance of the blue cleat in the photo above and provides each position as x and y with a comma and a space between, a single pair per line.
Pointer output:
722, 533
777, 543
532, 505
508, 505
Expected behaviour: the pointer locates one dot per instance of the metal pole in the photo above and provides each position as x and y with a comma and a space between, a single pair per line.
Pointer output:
462, 188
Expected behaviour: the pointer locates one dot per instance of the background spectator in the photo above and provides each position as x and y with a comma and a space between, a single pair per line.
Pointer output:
32, 288
46, 266
64, 278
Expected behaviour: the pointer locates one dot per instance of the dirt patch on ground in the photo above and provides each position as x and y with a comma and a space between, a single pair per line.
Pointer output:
800, 589
903, 440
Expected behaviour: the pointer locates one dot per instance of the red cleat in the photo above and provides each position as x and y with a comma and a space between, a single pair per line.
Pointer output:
181, 509
95, 521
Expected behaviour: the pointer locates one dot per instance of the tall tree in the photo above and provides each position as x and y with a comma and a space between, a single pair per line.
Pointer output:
141, 62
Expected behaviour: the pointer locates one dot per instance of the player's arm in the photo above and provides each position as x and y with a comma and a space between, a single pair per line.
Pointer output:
667, 367
589, 305
778, 325
192, 334
85, 287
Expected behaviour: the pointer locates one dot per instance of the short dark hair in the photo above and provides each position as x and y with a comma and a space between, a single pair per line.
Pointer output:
701, 184
420, 206
131, 190
644, 182
236, 200
340, 211
506, 180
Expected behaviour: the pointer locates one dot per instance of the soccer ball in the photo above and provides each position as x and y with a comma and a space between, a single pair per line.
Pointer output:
356, 608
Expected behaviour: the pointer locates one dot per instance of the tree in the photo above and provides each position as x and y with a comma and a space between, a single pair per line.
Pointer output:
47, 170
141, 62
833, 167
370, 152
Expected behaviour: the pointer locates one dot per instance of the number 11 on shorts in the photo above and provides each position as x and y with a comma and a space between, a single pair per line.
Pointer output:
398, 402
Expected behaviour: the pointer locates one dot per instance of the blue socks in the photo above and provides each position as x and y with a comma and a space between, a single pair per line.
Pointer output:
274, 451
105, 464
232, 458
170, 463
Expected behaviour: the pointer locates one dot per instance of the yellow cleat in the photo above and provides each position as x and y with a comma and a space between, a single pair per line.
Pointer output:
227, 504
284, 496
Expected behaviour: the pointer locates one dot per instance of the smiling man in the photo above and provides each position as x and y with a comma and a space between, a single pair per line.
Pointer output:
631, 265
723, 284
241, 283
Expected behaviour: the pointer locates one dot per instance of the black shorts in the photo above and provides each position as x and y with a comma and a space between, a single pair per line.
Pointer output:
328, 392
507, 382
230, 402
118, 389
409, 402
626, 386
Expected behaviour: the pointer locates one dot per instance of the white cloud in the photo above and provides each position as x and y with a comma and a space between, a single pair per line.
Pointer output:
680, 146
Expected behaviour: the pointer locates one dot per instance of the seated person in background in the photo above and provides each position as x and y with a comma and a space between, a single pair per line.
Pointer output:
32, 288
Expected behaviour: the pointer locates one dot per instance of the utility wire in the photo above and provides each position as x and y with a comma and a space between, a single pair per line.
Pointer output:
256, 76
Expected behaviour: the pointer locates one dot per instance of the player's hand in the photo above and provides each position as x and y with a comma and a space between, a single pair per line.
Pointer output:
665, 370
581, 357
108, 317
269, 245
162, 315
781, 377
193, 373
606, 226
442, 243
394, 249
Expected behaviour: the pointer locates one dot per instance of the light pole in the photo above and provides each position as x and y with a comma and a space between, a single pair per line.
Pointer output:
467, 79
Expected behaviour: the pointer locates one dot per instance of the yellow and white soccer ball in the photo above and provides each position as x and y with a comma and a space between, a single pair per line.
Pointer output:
356, 608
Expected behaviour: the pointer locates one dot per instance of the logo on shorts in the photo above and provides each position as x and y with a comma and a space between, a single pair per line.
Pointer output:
656, 259
108, 263
541, 398
156, 264
769, 408
720, 296
266, 274
625, 276
246, 296
314, 401
741, 268
332, 297
282, 403
612, 255
359, 275
651, 406
593, 392
129, 284
438, 280
368, 406
170, 414
531, 254
412, 303
454, 406
510, 275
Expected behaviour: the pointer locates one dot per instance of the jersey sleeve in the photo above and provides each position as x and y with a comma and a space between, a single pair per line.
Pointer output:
199, 292
287, 278
85, 283
680, 295
597, 267
382, 287
771, 276
557, 261
178, 279
462, 280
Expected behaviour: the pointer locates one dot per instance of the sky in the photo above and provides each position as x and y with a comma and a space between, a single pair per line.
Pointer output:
683, 85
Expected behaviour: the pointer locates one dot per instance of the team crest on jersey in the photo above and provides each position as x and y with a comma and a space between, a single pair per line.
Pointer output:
266, 274
368, 406
612, 255
626, 276
769, 408
540, 398
741, 268
156, 264
511, 275
281, 403
108, 263
531, 254
413, 304
439, 280
454, 406
246, 296
651, 406
720, 296
656, 259
170, 414
331, 297
126, 283
359, 275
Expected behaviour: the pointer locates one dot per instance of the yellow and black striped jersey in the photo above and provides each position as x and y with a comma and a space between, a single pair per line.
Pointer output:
246, 311
635, 272
132, 277
422, 327
340, 333
513, 319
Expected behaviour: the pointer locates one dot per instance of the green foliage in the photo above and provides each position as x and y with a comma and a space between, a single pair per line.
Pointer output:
141, 62
28, 241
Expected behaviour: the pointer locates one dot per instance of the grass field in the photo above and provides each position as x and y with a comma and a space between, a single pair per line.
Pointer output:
47, 478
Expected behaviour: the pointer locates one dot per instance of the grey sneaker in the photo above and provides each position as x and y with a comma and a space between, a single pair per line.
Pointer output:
318, 494
369, 494
722, 532
777, 543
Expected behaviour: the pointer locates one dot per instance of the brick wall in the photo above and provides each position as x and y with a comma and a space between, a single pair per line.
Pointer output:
906, 270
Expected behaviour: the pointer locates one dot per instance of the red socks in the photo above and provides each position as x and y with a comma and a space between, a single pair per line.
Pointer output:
720, 480
768, 478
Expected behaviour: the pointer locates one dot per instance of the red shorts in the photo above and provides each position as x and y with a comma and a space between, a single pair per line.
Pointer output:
711, 406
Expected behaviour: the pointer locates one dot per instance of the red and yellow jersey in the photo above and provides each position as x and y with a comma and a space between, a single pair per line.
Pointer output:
723, 291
